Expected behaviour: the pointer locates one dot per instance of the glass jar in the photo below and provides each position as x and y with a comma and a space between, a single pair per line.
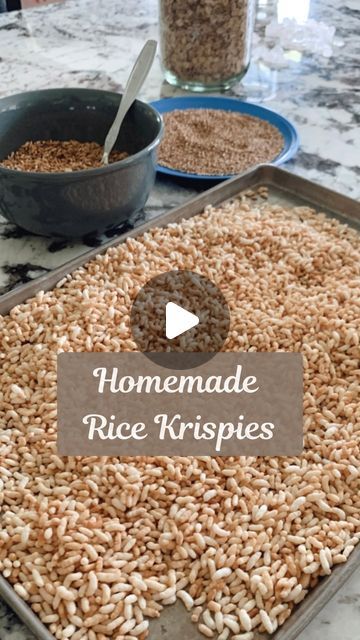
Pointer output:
205, 44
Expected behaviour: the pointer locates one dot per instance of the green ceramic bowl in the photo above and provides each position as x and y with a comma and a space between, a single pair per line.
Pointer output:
81, 202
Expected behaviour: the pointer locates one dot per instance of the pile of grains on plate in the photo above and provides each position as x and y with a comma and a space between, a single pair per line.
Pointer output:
217, 142
98, 546
59, 156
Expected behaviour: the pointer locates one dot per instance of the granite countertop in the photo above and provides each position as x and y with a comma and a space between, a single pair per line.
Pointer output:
92, 43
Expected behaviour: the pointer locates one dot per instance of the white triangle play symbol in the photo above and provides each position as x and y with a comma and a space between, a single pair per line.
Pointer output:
178, 320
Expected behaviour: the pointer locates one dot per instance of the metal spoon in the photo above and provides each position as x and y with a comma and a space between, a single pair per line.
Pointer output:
135, 81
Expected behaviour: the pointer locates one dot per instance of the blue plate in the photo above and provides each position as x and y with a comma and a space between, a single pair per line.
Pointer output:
286, 128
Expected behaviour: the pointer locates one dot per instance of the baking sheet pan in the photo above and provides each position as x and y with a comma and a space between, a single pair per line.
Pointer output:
286, 189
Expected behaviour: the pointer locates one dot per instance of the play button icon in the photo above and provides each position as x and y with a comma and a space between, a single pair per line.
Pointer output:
178, 320
180, 311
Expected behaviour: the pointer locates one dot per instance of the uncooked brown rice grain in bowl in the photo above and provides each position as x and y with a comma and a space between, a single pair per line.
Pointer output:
58, 155
217, 142
98, 546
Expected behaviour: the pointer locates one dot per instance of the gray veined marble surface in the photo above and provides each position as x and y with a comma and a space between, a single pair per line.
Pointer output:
93, 43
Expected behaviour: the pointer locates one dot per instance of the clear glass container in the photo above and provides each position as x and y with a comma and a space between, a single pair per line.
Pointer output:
205, 44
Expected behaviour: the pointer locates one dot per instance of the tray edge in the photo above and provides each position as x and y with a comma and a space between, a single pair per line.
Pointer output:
267, 173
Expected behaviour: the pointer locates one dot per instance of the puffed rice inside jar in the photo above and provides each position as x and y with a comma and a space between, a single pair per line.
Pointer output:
205, 44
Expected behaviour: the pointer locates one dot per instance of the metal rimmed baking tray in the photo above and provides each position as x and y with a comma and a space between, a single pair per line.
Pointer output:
286, 189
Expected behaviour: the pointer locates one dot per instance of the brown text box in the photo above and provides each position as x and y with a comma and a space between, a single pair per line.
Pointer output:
264, 389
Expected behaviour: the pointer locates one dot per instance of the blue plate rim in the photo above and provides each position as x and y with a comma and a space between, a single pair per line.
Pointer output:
291, 136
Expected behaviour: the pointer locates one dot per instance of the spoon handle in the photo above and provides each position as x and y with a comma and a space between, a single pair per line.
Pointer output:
136, 79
